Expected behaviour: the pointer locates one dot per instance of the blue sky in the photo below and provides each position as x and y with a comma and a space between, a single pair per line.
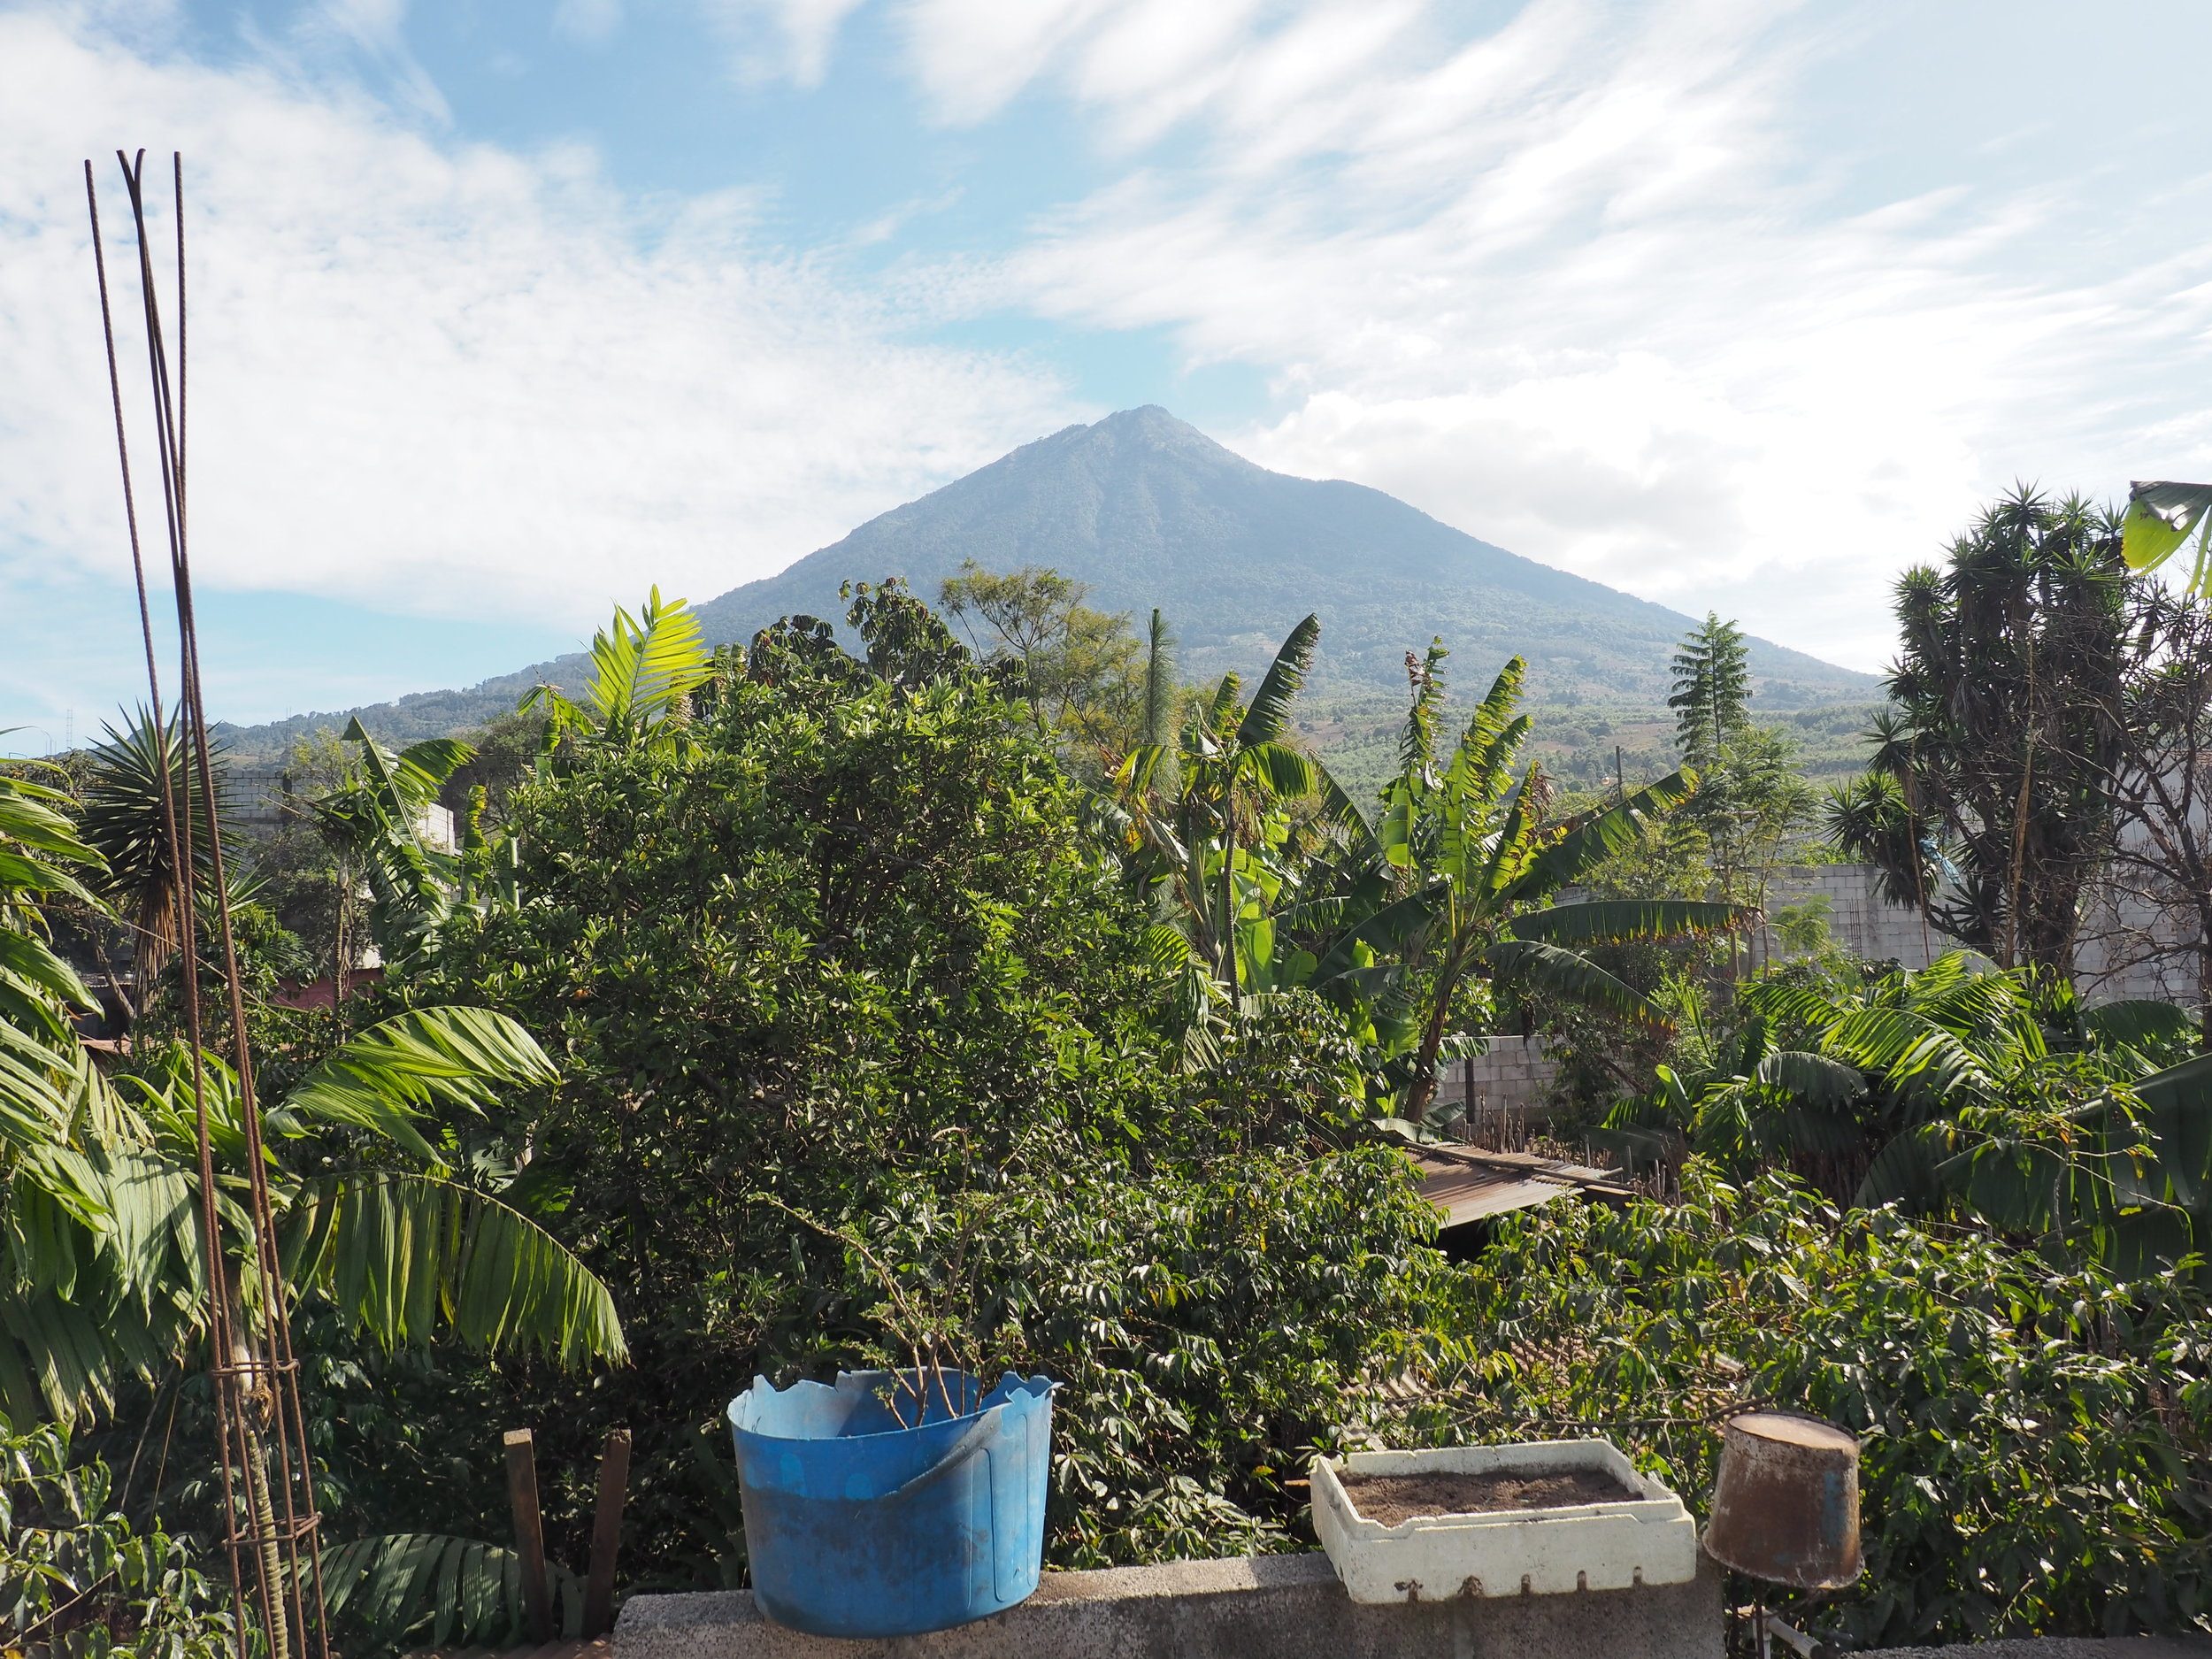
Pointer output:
504, 312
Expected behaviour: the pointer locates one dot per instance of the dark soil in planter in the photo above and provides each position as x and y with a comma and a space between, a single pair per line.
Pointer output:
1390, 1499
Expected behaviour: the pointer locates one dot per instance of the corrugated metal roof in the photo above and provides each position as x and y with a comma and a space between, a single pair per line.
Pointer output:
1470, 1183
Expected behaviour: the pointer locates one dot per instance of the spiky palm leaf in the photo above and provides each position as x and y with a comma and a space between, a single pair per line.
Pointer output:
383, 1078
430, 1591
641, 669
125, 820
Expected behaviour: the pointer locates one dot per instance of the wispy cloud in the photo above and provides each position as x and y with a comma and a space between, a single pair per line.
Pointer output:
1584, 285
438, 376
780, 39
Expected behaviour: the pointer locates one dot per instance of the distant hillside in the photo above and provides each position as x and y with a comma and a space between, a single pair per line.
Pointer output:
1150, 512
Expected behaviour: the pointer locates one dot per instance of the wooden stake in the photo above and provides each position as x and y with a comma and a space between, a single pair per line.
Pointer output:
606, 1533
522, 1492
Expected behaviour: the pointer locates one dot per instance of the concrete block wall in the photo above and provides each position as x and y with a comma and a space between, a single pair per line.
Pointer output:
1251, 1607
1859, 920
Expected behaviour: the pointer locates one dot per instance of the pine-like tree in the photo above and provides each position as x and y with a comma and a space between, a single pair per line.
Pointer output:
1712, 690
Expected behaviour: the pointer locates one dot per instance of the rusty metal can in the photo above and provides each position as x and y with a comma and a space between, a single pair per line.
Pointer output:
1785, 1508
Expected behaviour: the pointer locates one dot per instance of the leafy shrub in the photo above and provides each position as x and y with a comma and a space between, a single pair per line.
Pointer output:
2035, 1435
78, 1581
840, 947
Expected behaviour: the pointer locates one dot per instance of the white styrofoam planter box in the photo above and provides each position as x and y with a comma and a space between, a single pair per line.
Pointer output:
1616, 1546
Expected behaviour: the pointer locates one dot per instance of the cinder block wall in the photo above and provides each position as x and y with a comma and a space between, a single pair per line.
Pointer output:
1512, 1075
1251, 1607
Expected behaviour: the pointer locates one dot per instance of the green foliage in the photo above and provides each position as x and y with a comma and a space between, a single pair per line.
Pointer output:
78, 1580
373, 819
1448, 907
1217, 826
2034, 1433
2001, 730
104, 1277
404, 1591
1712, 690
850, 951
126, 818
1960, 1092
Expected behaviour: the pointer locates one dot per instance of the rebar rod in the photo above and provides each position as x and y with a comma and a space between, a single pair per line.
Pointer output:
255, 1371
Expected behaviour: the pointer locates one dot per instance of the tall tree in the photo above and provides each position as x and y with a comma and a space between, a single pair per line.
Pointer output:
2001, 734
2156, 894
1080, 668
1471, 863
1712, 690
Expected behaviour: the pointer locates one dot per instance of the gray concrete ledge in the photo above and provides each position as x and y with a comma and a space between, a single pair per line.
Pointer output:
1252, 1607
2060, 1647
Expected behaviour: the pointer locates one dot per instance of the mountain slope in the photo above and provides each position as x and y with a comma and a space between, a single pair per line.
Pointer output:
1150, 512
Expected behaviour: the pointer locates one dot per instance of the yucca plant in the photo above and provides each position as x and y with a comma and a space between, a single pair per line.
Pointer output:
125, 820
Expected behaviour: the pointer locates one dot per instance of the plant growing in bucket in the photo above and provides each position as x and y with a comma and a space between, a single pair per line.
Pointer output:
893, 1502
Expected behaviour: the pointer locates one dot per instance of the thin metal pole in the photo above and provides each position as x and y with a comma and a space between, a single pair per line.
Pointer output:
211, 1236
255, 1373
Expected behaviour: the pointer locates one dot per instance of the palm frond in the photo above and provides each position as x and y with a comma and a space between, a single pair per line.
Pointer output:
407, 1257
430, 1590
641, 668
1532, 965
382, 1079
1615, 921
1268, 717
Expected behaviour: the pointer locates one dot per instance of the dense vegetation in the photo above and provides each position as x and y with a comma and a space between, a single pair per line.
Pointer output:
1007, 1001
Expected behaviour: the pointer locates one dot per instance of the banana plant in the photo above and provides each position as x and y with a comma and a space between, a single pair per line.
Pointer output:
1206, 819
381, 1212
643, 671
378, 1212
1458, 904
374, 822
2160, 516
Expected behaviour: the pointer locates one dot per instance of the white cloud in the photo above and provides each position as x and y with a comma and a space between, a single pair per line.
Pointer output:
773, 39
587, 22
439, 377
1582, 287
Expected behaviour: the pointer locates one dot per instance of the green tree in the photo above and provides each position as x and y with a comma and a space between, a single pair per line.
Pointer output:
1999, 736
1712, 691
851, 947
1080, 668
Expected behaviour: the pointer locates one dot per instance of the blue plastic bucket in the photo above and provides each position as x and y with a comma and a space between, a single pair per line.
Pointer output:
859, 1527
